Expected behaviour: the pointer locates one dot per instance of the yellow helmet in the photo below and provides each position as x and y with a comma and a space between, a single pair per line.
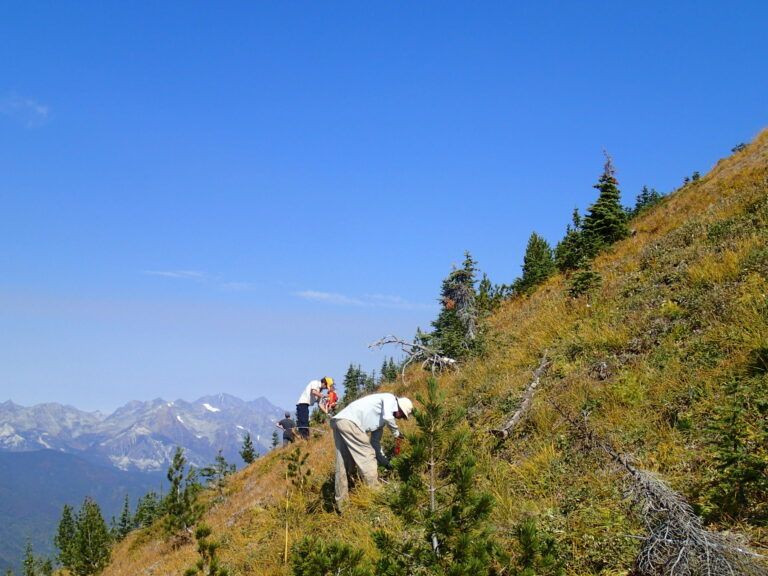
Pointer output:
328, 381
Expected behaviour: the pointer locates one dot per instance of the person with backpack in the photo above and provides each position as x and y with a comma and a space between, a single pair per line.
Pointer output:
351, 426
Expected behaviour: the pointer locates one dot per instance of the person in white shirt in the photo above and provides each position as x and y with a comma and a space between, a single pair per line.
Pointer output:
350, 435
312, 393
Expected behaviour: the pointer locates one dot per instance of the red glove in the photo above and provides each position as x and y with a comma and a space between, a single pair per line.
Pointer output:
396, 451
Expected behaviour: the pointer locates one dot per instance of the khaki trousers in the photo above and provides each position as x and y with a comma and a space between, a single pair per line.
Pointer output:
353, 450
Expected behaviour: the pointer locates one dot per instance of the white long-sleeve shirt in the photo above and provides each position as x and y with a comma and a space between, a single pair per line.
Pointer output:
372, 412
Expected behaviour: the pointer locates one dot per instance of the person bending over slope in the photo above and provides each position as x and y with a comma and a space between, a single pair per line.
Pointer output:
350, 435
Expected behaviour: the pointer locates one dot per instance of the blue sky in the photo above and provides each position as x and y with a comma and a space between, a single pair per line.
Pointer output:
202, 197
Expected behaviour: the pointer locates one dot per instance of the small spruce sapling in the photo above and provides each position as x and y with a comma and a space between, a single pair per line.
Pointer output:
181, 506
126, 522
208, 564
311, 556
449, 530
247, 452
216, 474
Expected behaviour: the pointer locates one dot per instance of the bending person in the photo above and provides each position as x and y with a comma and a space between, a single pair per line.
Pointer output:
311, 395
350, 435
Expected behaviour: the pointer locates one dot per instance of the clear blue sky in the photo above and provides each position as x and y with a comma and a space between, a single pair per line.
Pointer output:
203, 197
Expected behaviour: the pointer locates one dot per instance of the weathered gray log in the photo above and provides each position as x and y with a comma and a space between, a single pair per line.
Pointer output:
505, 431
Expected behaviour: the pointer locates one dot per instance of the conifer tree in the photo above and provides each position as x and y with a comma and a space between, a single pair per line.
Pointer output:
148, 509
538, 554
351, 384
216, 474
28, 564
312, 556
455, 331
125, 523
447, 515
389, 370
738, 434
181, 507
208, 564
538, 264
646, 199
606, 220
275, 439
65, 537
490, 295
577, 246
92, 543
247, 453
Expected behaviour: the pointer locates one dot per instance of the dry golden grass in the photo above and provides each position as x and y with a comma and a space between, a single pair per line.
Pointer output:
643, 355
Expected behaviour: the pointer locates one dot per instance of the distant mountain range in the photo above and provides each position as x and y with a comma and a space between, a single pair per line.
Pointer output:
51, 455
142, 435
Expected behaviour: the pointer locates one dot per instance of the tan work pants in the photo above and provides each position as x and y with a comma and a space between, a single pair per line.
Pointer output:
353, 449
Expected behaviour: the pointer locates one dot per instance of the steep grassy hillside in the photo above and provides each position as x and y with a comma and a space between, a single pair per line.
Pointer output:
665, 361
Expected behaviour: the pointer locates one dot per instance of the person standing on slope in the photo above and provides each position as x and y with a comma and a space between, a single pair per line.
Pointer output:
311, 395
350, 435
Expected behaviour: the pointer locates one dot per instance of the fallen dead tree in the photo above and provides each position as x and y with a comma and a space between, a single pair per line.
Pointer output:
677, 544
428, 357
505, 431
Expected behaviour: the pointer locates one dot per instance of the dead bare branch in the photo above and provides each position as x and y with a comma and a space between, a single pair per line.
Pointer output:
677, 544
415, 352
505, 431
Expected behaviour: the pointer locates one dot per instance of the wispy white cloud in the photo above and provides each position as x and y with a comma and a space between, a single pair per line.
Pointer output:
368, 300
27, 111
329, 297
178, 274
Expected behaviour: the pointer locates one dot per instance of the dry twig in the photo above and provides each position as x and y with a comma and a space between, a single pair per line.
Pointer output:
428, 357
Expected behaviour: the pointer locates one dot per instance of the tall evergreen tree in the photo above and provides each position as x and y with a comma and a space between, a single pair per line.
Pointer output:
351, 384
455, 331
181, 506
577, 246
389, 370
148, 509
275, 439
247, 452
65, 536
92, 542
538, 263
125, 523
490, 295
646, 199
606, 219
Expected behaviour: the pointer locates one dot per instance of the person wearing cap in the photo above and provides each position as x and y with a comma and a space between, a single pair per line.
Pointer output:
354, 449
311, 395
